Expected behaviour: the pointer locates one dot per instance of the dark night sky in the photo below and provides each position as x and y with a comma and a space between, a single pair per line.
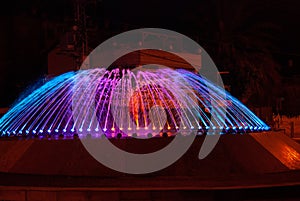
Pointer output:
23, 56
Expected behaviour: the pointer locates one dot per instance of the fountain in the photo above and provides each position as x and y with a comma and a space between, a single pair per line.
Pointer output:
128, 103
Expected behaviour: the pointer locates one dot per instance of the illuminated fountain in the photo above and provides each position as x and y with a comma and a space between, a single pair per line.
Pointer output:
127, 103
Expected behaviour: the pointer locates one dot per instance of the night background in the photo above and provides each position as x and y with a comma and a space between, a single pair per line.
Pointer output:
257, 42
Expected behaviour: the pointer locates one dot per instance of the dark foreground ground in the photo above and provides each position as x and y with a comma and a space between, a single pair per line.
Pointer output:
280, 186
262, 166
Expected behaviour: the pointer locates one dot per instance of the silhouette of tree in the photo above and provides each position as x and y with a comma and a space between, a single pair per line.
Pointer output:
241, 37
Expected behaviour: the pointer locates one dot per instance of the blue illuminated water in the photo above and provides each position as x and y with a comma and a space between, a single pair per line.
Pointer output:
97, 101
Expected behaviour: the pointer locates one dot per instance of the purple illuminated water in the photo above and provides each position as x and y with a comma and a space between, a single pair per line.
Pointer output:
129, 103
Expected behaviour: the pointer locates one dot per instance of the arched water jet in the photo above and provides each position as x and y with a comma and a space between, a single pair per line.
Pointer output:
98, 101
